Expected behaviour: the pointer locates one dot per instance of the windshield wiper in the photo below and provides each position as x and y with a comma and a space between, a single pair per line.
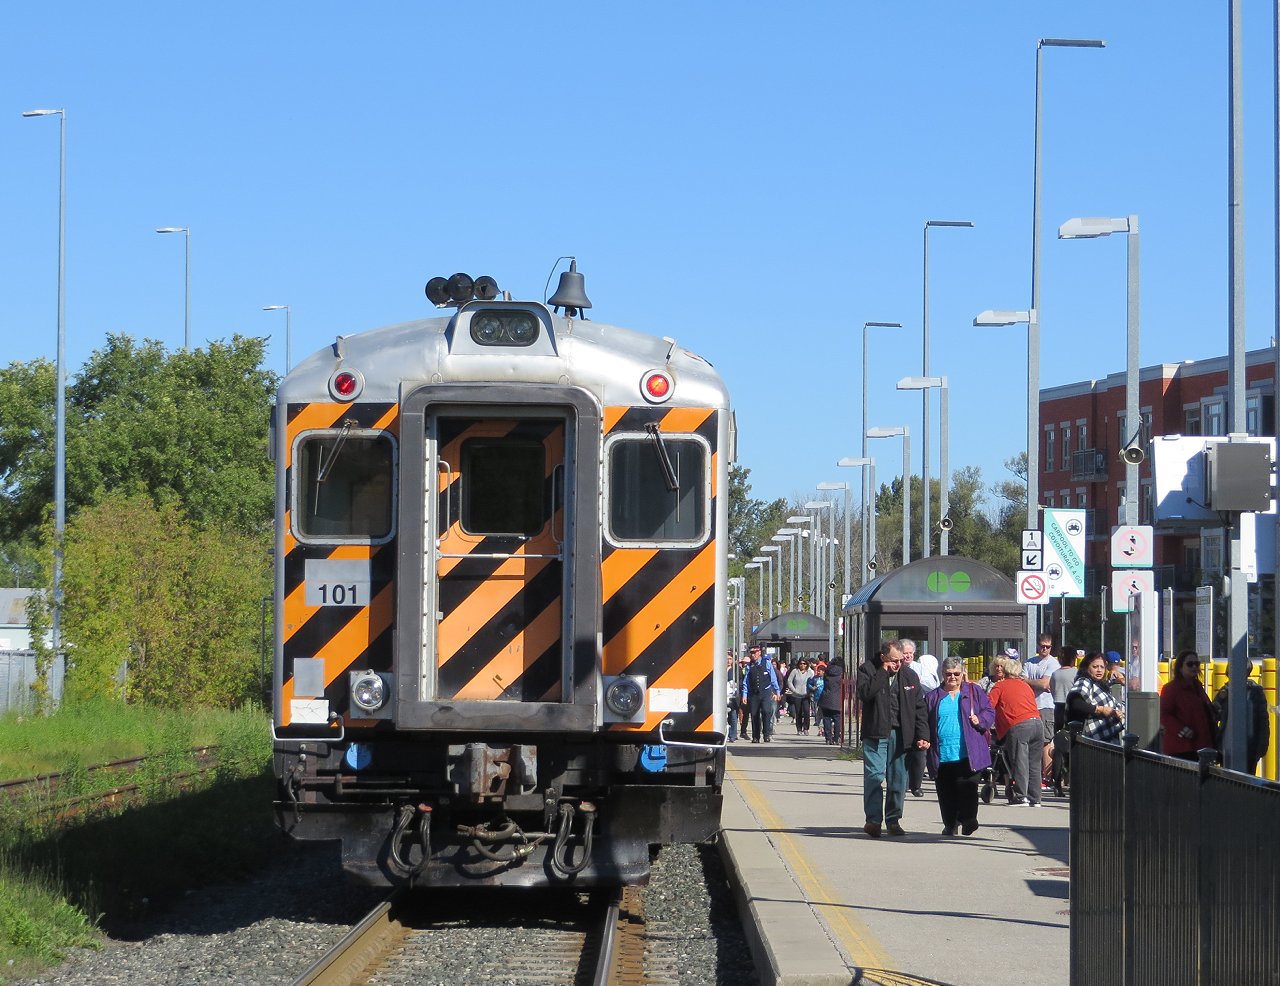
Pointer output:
664, 460
326, 465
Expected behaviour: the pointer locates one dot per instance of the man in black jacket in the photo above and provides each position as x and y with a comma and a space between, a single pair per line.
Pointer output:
894, 720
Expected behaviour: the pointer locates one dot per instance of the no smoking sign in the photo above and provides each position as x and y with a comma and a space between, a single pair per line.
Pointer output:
1033, 589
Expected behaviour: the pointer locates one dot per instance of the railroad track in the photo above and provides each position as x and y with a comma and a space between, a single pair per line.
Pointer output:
62, 796
565, 939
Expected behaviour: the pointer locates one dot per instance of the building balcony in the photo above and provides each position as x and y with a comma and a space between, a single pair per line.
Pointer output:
1089, 466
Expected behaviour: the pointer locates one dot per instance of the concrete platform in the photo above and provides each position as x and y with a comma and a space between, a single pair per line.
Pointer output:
825, 905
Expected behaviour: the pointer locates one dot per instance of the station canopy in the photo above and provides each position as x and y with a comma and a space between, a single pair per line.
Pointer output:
803, 631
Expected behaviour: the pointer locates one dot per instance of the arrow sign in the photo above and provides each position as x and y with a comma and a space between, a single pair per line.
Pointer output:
1032, 560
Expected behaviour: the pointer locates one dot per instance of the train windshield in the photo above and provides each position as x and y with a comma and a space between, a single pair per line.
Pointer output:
503, 489
642, 504
344, 487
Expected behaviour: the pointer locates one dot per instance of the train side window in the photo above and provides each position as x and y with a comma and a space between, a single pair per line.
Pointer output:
642, 504
344, 486
504, 486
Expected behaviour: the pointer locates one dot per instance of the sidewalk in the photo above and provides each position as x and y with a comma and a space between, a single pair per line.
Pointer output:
826, 903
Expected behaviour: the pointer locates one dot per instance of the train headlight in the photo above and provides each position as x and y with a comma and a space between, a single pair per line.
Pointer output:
624, 697
368, 690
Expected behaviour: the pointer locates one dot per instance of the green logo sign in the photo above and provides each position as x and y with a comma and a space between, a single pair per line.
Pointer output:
941, 583
795, 623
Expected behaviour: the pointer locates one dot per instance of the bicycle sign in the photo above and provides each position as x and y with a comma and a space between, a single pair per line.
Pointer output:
1033, 589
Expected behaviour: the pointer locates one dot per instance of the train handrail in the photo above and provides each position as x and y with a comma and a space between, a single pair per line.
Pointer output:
723, 744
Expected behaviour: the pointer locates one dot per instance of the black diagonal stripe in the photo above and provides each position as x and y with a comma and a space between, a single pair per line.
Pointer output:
640, 589
361, 415
708, 428
670, 645
324, 624
635, 418
468, 575
520, 611
542, 674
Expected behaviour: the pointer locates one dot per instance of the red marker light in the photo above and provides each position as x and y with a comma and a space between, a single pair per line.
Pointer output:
657, 386
345, 385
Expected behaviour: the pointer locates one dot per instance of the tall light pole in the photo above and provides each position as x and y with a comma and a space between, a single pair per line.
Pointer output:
924, 440
758, 564
1079, 229
863, 454
905, 433
819, 576
867, 512
288, 333
788, 535
770, 550
186, 322
799, 547
925, 384
60, 375
1033, 335
1031, 319
848, 533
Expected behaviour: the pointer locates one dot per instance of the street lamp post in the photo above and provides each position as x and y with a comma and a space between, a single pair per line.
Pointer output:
1032, 320
758, 564
863, 454
60, 376
799, 549
186, 323
788, 535
288, 333
926, 384
924, 440
867, 510
818, 574
1083, 229
770, 550
848, 532
905, 433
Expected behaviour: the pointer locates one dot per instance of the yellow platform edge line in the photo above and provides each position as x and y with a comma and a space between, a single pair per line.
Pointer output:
863, 947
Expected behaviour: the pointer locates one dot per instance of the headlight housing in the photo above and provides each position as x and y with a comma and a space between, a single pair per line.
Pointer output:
624, 698
368, 690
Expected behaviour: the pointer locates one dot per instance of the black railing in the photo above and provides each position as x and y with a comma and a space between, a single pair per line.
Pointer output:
1089, 465
1174, 870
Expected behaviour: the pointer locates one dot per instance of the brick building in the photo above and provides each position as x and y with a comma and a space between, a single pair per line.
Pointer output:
1083, 429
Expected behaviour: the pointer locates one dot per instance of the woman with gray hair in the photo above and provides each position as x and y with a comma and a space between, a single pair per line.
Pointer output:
960, 716
1019, 730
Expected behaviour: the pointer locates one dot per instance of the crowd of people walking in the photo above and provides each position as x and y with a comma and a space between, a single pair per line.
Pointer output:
920, 717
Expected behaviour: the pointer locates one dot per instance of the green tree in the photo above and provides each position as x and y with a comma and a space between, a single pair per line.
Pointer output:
190, 427
159, 609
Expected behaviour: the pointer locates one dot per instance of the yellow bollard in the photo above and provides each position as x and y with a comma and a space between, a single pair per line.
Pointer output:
1219, 679
1162, 674
1269, 764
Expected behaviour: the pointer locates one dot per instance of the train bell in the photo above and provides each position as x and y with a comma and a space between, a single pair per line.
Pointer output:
571, 292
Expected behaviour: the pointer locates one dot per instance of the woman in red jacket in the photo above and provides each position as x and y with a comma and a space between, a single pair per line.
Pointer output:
1186, 714
1019, 729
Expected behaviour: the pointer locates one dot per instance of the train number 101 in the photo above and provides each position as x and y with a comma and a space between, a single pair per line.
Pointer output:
339, 594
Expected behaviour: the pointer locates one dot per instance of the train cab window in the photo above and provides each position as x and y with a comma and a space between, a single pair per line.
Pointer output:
649, 501
504, 486
344, 486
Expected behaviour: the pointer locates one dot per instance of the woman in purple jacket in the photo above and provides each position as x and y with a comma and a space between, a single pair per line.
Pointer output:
960, 715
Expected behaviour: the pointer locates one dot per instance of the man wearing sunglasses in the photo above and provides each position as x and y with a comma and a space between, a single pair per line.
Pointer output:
1039, 675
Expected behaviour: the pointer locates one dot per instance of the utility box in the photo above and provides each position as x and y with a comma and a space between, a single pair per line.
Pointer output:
1238, 476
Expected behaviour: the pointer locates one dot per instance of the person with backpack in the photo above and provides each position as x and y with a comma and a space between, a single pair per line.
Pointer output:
828, 699
760, 692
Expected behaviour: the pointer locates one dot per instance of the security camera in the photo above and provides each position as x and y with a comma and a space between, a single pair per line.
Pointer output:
946, 523
871, 565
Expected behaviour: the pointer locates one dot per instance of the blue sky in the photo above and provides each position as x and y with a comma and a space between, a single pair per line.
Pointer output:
751, 182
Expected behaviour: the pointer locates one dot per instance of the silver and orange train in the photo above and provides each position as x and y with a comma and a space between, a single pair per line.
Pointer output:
500, 594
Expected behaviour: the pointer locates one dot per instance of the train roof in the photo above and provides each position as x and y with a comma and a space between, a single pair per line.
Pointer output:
607, 360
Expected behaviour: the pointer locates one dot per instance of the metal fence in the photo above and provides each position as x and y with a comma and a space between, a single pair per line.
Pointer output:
17, 674
1174, 871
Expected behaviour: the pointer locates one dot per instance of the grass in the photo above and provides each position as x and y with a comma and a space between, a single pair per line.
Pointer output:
62, 885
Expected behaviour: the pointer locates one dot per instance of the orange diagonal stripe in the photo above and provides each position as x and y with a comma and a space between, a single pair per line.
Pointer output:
312, 416
514, 660
664, 609
480, 606
685, 419
618, 569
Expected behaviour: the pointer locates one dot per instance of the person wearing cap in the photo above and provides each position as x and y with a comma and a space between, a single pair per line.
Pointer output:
760, 693
1039, 675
